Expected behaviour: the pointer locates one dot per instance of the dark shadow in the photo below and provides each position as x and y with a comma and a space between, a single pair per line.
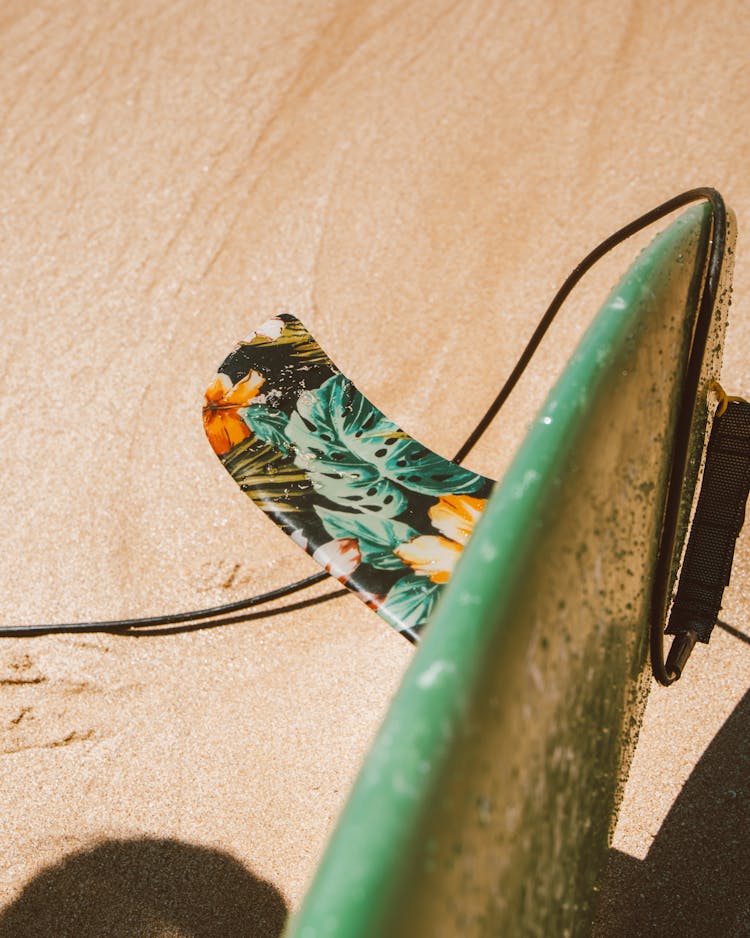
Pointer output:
731, 630
695, 880
146, 889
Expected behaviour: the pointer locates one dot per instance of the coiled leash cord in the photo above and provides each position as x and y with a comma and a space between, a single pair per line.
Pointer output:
717, 521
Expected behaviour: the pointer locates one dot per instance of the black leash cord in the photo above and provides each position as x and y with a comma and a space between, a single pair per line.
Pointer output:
153, 623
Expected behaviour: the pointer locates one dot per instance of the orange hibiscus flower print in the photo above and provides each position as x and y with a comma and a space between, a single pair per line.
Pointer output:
434, 555
222, 422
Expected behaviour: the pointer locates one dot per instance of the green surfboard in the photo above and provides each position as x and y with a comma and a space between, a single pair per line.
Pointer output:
486, 803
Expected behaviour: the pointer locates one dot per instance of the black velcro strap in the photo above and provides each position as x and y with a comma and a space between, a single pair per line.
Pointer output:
716, 525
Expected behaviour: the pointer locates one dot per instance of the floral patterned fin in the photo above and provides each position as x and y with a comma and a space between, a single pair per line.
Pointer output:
381, 513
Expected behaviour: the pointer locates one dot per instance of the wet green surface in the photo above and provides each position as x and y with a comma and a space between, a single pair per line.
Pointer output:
485, 805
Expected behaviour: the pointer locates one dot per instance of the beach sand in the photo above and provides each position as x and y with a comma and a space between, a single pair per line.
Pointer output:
413, 181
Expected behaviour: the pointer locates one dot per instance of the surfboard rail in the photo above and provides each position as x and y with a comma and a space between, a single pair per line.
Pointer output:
485, 805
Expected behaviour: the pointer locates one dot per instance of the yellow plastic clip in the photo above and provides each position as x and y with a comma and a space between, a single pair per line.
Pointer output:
724, 398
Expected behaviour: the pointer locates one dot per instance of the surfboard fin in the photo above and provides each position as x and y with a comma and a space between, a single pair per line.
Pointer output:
383, 514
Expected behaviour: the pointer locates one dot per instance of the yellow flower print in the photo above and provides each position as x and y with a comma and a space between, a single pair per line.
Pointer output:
434, 556
221, 419
430, 555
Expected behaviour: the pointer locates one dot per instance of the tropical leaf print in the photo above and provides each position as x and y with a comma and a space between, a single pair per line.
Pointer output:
269, 477
268, 425
379, 511
292, 338
356, 456
410, 601
284, 353
377, 537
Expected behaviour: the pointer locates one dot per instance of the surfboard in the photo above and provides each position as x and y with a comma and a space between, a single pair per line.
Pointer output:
486, 803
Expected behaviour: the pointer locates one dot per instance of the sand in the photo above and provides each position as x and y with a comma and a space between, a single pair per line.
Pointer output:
412, 181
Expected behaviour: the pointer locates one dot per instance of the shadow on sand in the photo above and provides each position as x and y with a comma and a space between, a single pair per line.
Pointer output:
146, 889
695, 880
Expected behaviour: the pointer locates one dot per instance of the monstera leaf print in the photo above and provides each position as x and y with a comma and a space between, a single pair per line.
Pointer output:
410, 601
268, 425
376, 536
379, 511
356, 457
